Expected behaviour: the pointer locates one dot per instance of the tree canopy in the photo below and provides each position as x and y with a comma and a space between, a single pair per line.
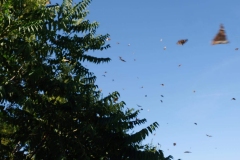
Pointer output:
50, 107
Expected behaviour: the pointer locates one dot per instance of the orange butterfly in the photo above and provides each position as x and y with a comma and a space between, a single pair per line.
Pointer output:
182, 41
220, 38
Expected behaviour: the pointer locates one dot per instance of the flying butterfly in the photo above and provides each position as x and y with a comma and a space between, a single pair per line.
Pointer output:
122, 59
208, 135
139, 105
220, 38
182, 41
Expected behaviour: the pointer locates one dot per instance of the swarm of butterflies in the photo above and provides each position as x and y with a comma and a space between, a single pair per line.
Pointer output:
220, 38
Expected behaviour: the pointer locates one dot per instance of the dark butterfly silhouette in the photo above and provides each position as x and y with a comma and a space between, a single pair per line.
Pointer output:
195, 123
233, 98
187, 152
220, 38
115, 100
139, 105
208, 135
122, 59
236, 49
182, 41
174, 144
161, 95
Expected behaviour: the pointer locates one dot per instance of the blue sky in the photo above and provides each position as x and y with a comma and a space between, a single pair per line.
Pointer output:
212, 71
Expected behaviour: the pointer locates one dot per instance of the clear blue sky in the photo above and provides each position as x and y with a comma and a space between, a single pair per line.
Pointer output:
212, 71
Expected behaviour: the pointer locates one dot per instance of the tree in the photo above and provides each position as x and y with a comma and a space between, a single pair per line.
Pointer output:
50, 105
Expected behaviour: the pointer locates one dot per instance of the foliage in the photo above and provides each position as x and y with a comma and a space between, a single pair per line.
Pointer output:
50, 106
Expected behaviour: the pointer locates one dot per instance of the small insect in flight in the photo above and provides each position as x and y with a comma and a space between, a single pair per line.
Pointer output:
174, 144
162, 84
233, 98
139, 105
220, 38
122, 59
187, 152
195, 123
208, 135
182, 41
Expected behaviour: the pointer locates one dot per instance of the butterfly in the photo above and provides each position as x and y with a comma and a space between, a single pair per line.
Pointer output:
195, 123
187, 152
139, 105
220, 38
208, 135
122, 59
115, 100
233, 98
182, 41
174, 144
